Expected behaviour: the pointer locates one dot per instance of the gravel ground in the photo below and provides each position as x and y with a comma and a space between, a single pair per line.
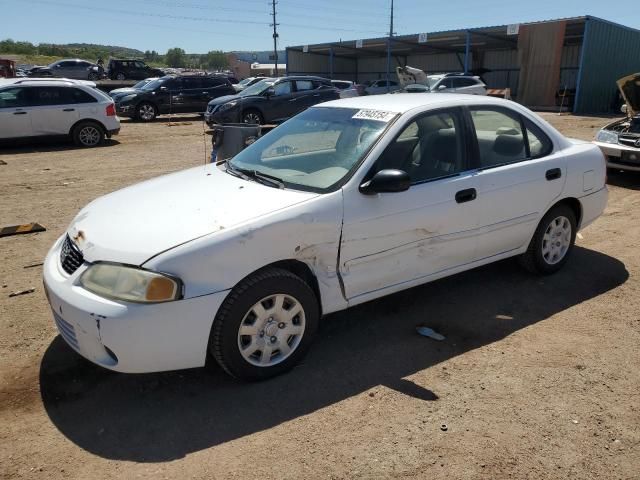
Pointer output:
537, 378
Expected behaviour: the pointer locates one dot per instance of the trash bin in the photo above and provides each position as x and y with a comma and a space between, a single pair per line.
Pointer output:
229, 139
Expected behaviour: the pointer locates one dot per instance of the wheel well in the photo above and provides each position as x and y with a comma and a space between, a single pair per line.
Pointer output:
88, 120
252, 109
301, 270
575, 205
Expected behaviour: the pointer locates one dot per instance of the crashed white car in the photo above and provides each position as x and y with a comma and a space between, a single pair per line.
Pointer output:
620, 140
346, 202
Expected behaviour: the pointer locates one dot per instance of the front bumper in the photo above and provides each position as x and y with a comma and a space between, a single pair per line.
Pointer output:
226, 116
128, 337
115, 131
615, 153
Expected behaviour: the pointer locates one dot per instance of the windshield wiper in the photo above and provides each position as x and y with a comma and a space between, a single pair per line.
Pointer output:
263, 178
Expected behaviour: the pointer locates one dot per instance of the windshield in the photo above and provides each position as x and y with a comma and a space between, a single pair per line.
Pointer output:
152, 85
316, 149
245, 81
432, 80
257, 88
142, 83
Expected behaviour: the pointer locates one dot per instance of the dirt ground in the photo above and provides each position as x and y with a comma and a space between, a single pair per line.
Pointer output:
537, 378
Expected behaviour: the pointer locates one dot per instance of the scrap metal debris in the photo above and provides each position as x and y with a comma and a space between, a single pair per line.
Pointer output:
444, 427
31, 265
2, 162
21, 229
22, 292
429, 332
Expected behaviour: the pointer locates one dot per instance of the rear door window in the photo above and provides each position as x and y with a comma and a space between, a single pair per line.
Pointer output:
47, 96
304, 85
500, 136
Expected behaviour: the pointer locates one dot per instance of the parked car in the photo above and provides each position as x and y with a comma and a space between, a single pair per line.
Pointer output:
131, 69
380, 86
415, 80
620, 140
73, 68
121, 92
347, 88
247, 82
172, 94
50, 107
271, 101
347, 202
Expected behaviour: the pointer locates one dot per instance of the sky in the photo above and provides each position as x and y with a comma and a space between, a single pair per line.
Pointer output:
199, 26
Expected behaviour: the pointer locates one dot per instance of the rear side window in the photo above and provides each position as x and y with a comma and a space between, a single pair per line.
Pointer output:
505, 137
43, 96
302, 85
210, 82
463, 82
80, 96
192, 82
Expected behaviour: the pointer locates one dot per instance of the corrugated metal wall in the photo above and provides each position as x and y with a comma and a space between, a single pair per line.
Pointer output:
505, 70
610, 52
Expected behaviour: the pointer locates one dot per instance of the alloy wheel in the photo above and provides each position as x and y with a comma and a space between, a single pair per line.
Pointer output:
147, 112
89, 136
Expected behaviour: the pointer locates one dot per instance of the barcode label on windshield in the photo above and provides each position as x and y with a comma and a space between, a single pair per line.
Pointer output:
379, 115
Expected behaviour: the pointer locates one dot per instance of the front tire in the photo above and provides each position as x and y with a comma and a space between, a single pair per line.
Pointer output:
552, 242
265, 326
252, 117
146, 112
121, 76
88, 134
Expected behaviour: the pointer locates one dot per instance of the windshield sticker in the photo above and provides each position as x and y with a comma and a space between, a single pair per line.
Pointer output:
379, 115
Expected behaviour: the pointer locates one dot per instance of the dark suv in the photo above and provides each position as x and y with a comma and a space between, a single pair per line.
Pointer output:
128, 69
172, 94
272, 100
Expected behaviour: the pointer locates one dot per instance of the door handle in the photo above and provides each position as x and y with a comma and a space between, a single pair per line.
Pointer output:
553, 174
69, 110
466, 195
19, 113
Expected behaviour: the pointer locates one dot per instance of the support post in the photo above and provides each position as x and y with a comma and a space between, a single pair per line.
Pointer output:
331, 63
576, 98
467, 51
388, 63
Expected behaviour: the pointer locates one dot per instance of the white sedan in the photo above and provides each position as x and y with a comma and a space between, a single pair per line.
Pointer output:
346, 202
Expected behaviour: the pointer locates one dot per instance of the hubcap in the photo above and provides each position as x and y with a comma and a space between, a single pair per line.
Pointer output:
146, 112
271, 330
556, 240
252, 118
89, 136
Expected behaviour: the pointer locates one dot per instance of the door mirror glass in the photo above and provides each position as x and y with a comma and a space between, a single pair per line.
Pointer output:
623, 108
386, 181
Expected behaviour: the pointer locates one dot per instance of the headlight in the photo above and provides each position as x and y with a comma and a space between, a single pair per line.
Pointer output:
607, 136
130, 284
228, 105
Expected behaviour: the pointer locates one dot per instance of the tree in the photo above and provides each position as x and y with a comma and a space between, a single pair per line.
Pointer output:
214, 60
175, 57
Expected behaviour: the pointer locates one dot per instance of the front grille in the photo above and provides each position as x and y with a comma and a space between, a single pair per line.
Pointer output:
66, 330
70, 256
629, 140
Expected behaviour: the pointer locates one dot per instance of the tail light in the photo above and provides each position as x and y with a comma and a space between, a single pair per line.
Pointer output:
111, 110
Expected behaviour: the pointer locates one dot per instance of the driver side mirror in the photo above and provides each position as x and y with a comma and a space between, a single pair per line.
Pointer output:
442, 87
270, 92
163, 89
387, 181
624, 108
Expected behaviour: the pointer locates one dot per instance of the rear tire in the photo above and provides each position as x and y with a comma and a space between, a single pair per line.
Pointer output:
265, 325
552, 242
120, 76
88, 134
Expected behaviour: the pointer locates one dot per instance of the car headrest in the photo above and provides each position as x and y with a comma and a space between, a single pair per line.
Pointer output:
508, 145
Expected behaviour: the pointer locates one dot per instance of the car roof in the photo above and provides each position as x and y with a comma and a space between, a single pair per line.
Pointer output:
46, 82
404, 102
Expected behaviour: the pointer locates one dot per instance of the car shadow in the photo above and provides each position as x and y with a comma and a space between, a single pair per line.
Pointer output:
165, 416
623, 179
176, 117
47, 144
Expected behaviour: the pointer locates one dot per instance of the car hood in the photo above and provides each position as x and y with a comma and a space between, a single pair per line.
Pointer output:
223, 99
134, 224
629, 87
121, 91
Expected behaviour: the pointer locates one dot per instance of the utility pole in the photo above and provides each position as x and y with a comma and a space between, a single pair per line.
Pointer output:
275, 34
389, 48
